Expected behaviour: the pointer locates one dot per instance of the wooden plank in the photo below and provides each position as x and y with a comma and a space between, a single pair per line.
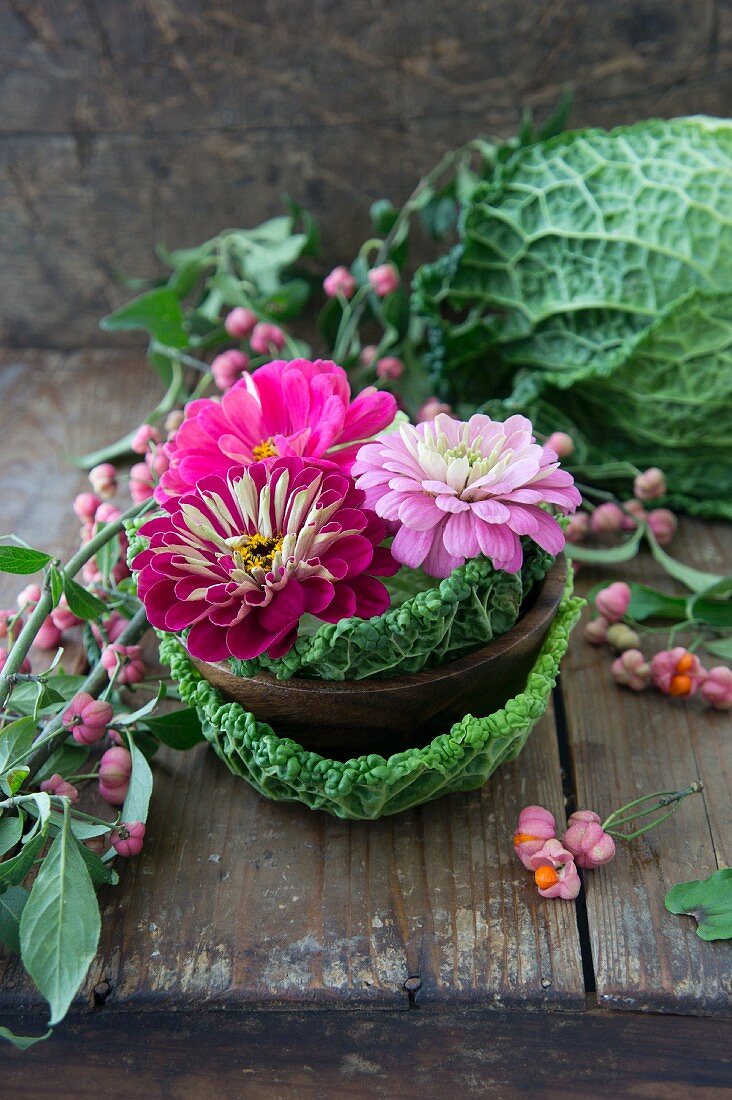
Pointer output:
396, 1055
624, 745
237, 900
167, 122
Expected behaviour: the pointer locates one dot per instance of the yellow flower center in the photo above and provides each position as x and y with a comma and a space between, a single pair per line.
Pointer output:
256, 551
265, 449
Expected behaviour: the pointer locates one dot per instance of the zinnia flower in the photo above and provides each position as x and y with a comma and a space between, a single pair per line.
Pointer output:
242, 558
458, 490
279, 410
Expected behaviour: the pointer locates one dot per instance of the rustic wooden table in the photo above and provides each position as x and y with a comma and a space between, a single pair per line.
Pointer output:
260, 948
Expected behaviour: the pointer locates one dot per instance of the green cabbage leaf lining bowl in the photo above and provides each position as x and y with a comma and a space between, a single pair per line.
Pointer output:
372, 785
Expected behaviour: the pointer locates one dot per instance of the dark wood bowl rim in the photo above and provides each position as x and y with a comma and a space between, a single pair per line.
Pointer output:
548, 594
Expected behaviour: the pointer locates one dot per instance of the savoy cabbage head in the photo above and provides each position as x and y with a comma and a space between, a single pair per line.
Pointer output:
595, 271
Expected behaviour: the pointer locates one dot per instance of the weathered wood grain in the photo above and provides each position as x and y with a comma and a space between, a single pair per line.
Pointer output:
128, 124
396, 1055
624, 745
237, 900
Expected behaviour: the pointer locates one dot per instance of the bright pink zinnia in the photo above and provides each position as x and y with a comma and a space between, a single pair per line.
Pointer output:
279, 410
460, 489
240, 560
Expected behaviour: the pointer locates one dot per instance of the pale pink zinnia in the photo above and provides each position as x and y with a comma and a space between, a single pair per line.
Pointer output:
460, 489
282, 409
240, 559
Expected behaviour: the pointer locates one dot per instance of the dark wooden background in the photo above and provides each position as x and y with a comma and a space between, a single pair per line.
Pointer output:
127, 122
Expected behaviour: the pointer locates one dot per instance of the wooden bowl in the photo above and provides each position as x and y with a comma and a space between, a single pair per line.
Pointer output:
341, 719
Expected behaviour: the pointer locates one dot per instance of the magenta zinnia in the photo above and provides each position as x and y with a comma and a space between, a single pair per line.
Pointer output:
460, 489
283, 409
240, 559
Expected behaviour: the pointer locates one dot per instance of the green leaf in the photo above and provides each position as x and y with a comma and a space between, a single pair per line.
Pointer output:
81, 603
99, 872
649, 603
288, 301
12, 903
23, 699
14, 870
694, 579
107, 557
104, 454
709, 901
14, 779
22, 559
181, 729
721, 648
23, 1042
15, 740
121, 720
59, 929
66, 760
613, 554
158, 311
11, 830
140, 789
57, 584
82, 829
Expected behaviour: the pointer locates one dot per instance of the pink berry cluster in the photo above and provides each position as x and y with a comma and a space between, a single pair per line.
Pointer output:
611, 518
51, 632
554, 862
264, 338
675, 672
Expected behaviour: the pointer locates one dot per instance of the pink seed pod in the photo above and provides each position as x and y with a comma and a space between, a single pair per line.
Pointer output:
622, 637
389, 367
383, 279
613, 602
7, 615
115, 796
129, 658
115, 768
339, 281
157, 462
555, 873
87, 718
631, 670
141, 483
367, 356
637, 514
586, 840
143, 437
59, 786
606, 519
596, 631
127, 838
113, 626
63, 617
432, 408
227, 368
173, 420
240, 322
266, 338
107, 513
717, 688
25, 664
677, 672
650, 485
49, 636
578, 527
663, 524
103, 480
561, 443
535, 826
29, 597
85, 506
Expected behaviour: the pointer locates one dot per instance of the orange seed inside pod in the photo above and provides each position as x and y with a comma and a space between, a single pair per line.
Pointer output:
544, 877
